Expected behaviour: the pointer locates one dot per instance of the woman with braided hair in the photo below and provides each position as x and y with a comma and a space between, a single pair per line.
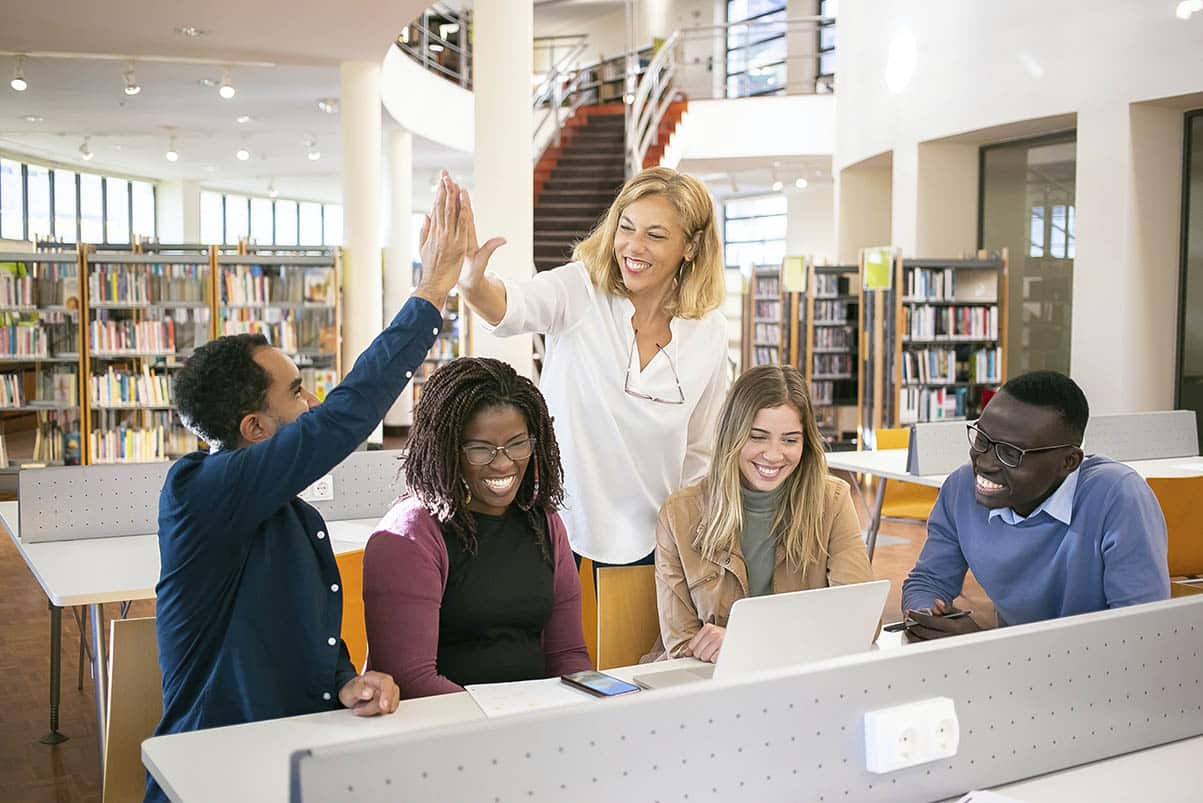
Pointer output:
470, 578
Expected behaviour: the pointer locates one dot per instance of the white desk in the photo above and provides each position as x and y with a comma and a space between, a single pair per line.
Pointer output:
890, 464
92, 571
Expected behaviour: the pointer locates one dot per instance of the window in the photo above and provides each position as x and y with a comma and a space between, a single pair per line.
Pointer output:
91, 208
237, 219
65, 210
754, 231
12, 201
212, 218
37, 182
311, 224
333, 221
142, 195
827, 8
263, 223
116, 210
286, 222
756, 47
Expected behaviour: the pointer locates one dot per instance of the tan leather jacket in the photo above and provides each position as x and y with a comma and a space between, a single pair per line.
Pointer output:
691, 590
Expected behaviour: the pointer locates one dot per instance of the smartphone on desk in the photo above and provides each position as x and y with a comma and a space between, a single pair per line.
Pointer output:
599, 684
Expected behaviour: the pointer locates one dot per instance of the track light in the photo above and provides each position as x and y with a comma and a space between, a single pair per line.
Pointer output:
225, 88
85, 151
313, 153
172, 154
242, 154
19, 83
272, 192
132, 87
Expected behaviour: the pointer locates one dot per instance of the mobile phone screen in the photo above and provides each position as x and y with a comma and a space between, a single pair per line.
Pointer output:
599, 683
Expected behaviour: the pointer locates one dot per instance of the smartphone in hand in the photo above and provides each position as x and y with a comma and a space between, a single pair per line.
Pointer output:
599, 684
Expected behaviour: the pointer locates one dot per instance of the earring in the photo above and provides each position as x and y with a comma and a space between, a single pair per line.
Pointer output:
535, 490
467, 493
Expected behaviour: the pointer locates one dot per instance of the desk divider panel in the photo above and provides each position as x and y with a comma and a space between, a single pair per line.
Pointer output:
1030, 700
73, 502
1143, 436
937, 447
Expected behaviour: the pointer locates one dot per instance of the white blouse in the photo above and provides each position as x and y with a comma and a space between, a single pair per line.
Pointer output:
622, 455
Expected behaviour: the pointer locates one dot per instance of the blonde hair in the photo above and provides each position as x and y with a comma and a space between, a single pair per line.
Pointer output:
798, 520
699, 287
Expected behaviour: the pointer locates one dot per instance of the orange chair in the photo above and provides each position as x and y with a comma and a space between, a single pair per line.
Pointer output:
904, 500
589, 608
1181, 500
354, 629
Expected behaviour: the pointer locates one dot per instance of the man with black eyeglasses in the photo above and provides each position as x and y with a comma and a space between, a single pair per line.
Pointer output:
1047, 531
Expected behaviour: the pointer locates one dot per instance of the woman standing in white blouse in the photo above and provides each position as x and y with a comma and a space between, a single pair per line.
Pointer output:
636, 367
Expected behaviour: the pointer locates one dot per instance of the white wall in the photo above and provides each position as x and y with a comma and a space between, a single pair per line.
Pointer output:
792, 125
810, 222
426, 104
928, 70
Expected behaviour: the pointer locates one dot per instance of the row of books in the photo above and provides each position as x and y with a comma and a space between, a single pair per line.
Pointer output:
147, 284
833, 365
833, 337
290, 335
822, 392
132, 337
926, 322
444, 348
117, 387
25, 339
30, 284
930, 283
319, 381
136, 445
931, 404
768, 309
763, 355
946, 366
766, 286
58, 386
767, 333
827, 284
258, 284
835, 311
56, 439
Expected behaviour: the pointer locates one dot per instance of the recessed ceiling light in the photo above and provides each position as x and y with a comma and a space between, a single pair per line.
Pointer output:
242, 118
33, 118
191, 31
801, 183
243, 154
328, 105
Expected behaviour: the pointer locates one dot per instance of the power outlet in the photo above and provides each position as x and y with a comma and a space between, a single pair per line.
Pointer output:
911, 734
320, 491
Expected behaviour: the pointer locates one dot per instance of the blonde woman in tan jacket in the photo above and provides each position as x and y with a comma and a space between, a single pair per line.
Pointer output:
766, 519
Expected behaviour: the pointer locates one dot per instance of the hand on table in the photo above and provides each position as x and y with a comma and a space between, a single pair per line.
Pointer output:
936, 623
706, 643
370, 694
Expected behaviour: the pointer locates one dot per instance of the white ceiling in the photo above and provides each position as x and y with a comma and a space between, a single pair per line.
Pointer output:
729, 178
303, 40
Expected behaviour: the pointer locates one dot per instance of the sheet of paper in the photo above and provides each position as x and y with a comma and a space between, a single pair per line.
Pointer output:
519, 697
988, 797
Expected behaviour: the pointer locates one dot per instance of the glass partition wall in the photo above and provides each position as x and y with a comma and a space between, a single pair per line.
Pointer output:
1190, 319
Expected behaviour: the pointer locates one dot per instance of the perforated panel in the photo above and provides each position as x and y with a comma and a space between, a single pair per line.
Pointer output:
68, 503
1030, 700
937, 447
1143, 436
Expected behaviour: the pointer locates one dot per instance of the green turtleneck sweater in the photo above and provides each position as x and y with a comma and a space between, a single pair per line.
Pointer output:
756, 542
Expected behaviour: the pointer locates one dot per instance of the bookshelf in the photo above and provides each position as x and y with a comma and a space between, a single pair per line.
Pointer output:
291, 299
769, 319
449, 345
830, 359
145, 314
40, 391
605, 81
937, 347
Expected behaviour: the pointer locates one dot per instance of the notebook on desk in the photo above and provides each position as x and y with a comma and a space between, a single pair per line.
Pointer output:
784, 630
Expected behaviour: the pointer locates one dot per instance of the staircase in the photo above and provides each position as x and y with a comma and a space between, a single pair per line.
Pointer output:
575, 183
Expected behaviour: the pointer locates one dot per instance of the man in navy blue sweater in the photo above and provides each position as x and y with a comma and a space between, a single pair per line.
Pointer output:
249, 597
1047, 531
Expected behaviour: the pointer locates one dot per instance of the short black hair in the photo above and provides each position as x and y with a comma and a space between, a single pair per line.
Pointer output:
1056, 391
218, 385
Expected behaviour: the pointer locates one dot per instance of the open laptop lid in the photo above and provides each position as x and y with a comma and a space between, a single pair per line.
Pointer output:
781, 630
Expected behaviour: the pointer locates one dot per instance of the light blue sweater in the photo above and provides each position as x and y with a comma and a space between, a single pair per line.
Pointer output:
1112, 553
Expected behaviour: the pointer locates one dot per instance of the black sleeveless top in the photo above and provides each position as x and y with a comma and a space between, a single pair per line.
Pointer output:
496, 603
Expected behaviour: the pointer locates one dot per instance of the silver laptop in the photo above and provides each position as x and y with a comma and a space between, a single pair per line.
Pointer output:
782, 630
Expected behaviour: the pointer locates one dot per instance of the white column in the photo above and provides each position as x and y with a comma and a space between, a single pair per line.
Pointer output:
863, 198
810, 222
400, 248
362, 278
904, 204
503, 169
177, 207
946, 218
801, 48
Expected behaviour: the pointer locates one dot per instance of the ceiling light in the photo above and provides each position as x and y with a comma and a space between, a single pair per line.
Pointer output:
435, 47
777, 186
801, 183
33, 118
448, 28
19, 83
242, 154
330, 105
85, 151
209, 82
226, 89
242, 118
172, 154
191, 31
132, 87
1188, 7
272, 192
313, 153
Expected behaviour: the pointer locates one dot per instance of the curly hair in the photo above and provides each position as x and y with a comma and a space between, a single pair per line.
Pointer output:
452, 396
218, 385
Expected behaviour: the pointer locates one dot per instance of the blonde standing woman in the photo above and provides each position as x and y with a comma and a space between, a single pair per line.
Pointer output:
767, 518
636, 365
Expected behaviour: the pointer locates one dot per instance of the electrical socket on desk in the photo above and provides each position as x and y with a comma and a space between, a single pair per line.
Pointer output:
320, 491
911, 734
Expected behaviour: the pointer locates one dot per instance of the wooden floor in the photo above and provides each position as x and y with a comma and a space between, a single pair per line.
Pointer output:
30, 771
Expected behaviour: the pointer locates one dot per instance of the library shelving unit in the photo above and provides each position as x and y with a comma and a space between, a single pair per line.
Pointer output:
605, 81
936, 346
145, 314
831, 324
292, 299
40, 346
449, 345
769, 319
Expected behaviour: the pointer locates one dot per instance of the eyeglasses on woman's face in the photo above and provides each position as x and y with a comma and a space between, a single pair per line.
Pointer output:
479, 455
